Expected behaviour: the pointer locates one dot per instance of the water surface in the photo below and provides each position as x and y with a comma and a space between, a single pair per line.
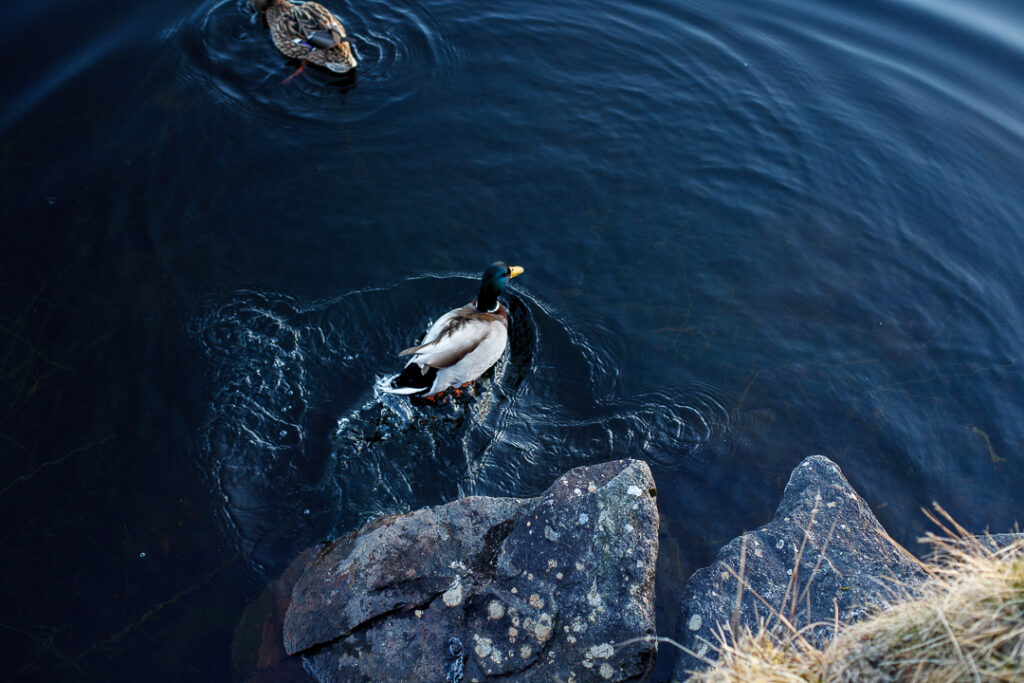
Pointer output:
751, 232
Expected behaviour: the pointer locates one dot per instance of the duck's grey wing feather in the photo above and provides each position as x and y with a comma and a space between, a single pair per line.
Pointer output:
441, 325
474, 363
460, 338
322, 39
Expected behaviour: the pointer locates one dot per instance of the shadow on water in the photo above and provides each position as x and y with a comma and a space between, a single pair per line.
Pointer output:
301, 441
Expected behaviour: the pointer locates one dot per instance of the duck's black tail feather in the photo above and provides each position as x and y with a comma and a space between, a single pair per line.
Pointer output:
412, 380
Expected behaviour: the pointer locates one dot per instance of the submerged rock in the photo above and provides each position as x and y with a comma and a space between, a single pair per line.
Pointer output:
257, 648
537, 589
822, 559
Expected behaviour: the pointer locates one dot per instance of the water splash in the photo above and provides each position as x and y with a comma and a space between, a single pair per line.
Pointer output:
298, 418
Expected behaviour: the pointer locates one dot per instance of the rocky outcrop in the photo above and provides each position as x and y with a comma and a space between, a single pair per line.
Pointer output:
822, 559
539, 589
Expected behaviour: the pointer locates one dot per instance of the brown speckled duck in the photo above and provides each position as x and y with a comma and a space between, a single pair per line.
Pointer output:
309, 32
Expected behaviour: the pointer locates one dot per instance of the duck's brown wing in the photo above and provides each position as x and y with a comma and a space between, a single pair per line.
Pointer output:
312, 17
309, 31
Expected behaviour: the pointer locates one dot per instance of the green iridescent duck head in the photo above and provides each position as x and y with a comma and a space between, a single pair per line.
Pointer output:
493, 282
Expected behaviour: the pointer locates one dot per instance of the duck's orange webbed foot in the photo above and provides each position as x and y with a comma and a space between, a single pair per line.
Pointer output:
437, 399
297, 72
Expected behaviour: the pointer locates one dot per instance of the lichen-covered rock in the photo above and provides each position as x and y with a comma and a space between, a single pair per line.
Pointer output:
538, 589
997, 541
823, 557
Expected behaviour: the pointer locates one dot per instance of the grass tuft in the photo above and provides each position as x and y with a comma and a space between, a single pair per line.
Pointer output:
967, 624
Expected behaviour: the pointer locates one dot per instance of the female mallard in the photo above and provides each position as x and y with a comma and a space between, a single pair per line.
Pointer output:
308, 32
462, 344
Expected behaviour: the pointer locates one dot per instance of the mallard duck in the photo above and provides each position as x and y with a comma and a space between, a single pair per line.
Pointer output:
462, 344
309, 32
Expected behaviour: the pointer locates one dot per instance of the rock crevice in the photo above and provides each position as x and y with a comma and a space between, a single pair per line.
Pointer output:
535, 589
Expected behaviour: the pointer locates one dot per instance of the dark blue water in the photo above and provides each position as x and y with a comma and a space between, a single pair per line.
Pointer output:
751, 232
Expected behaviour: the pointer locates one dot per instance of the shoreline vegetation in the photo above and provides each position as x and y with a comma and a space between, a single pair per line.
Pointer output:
965, 622
532, 589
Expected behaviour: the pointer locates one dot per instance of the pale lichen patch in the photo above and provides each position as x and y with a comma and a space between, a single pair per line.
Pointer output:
594, 598
542, 629
602, 651
453, 596
483, 647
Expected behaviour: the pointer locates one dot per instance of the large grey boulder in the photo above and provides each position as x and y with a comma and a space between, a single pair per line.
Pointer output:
822, 559
537, 589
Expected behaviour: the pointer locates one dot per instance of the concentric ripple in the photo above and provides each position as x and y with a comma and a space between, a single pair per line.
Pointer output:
226, 49
299, 433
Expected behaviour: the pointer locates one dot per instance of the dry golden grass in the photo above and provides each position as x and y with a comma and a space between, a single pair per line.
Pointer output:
966, 625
